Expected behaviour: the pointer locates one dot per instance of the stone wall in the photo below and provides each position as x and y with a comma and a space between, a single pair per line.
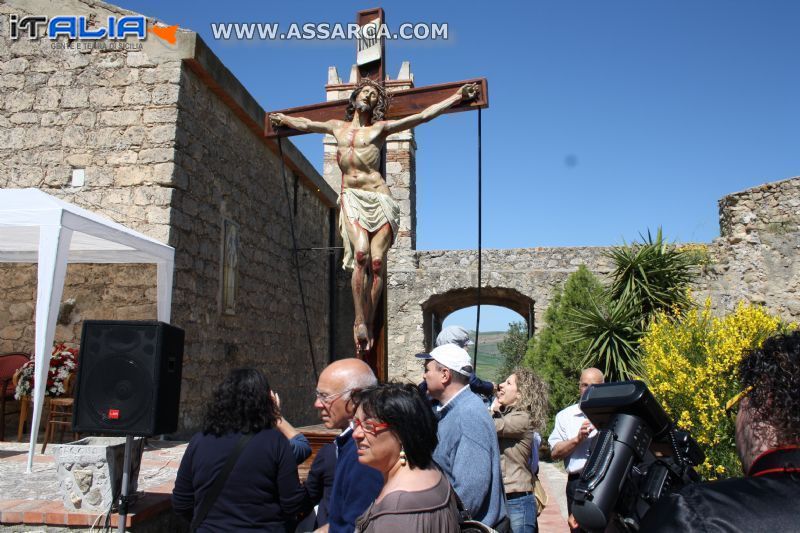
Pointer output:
510, 278
755, 260
756, 257
87, 295
230, 174
171, 146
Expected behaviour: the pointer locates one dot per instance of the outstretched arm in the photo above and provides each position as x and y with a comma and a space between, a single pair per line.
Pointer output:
302, 124
466, 92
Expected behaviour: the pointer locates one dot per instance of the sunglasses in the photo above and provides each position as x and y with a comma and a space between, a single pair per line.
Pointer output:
733, 402
370, 426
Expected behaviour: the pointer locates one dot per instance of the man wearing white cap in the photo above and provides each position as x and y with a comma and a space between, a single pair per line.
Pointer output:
467, 452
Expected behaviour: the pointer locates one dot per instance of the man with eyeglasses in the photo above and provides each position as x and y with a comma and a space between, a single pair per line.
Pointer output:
355, 486
768, 444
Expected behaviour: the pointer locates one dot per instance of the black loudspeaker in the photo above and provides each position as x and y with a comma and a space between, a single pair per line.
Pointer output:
129, 378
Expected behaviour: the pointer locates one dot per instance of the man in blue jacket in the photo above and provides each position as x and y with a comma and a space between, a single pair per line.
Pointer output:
468, 452
355, 486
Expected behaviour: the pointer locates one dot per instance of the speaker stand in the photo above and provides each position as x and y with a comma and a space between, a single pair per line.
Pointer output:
126, 474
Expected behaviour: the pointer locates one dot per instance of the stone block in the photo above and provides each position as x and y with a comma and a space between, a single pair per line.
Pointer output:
47, 98
122, 158
160, 115
89, 471
12, 81
161, 134
120, 118
163, 172
156, 155
138, 59
79, 160
39, 136
76, 60
165, 94
165, 73
24, 118
132, 175
14, 66
105, 97
57, 119
61, 78
73, 98
136, 95
19, 101
86, 118
74, 136
123, 77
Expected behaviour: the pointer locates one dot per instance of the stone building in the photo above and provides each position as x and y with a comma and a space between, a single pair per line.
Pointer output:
171, 144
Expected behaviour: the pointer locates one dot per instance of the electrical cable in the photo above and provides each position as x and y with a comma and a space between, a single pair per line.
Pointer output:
297, 262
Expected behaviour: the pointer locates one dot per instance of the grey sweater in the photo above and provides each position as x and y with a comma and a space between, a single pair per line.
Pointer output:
469, 456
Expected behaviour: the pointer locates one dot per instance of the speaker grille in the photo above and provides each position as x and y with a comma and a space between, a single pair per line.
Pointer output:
129, 378
120, 394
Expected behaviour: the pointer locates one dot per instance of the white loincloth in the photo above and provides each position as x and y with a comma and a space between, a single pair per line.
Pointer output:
371, 210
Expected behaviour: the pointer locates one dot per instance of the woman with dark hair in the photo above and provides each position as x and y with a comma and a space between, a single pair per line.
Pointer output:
395, 431
262, 491
519, 408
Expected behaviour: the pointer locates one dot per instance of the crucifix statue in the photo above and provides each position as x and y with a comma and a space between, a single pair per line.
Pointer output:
369, 216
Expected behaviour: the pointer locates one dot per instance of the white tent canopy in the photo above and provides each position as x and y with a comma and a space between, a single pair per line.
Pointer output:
38, 228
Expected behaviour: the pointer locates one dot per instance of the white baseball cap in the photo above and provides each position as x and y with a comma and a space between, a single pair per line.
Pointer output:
452, 356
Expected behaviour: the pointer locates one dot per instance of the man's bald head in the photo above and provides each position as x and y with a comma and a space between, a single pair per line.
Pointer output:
351, 373
589, 377
335, 385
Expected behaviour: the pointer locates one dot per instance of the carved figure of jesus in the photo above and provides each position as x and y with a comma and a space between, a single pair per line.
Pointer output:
369, 216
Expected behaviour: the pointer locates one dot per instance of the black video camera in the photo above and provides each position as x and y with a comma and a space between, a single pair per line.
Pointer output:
638, 456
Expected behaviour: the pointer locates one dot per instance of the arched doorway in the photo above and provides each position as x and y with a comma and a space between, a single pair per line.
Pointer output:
439, 306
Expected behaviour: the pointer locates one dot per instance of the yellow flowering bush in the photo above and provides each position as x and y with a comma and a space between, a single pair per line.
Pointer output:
690, 364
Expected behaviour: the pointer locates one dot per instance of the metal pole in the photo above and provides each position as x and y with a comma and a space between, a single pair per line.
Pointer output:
126, 474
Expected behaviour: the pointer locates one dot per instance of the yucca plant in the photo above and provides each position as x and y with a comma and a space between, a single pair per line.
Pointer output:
612, 329
652, 275
648, 277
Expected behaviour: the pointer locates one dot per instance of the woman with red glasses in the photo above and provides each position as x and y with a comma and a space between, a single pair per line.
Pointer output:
395, 432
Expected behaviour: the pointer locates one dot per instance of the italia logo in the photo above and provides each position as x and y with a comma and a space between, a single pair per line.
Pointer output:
77, 28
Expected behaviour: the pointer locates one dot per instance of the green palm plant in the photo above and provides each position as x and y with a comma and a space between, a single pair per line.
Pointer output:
648, 277
612, 330
653, 276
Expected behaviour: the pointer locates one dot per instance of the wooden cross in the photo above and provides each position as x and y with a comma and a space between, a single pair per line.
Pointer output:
371, 63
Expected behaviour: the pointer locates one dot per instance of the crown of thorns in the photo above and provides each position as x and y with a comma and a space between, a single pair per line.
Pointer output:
375, 85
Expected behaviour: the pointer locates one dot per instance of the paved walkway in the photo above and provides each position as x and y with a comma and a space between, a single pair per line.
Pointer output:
34, 498
554, 517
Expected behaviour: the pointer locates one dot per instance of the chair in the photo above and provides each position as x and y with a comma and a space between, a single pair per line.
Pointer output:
9, 364
59, 414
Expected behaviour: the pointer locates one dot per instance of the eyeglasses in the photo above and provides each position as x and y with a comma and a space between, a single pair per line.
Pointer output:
370, 426
326, 398
733, 402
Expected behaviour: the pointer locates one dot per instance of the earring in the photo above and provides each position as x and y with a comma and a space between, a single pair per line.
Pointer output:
403, 460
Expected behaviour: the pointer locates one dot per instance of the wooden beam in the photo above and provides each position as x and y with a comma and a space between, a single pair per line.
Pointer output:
403, 104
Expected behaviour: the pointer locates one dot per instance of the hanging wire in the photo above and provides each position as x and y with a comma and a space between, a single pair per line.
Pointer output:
480, 219
297, 261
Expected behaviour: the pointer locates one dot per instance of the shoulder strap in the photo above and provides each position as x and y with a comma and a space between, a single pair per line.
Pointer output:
219, 482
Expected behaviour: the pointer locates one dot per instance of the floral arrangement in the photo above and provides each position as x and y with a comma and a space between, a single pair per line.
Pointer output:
63, 363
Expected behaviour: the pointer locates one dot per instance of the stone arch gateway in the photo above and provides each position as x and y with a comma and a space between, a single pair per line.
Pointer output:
439, 306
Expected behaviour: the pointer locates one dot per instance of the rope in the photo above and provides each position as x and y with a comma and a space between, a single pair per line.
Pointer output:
480, 219
297, 261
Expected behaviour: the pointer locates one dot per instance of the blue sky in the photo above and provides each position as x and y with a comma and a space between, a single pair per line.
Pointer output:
605, 119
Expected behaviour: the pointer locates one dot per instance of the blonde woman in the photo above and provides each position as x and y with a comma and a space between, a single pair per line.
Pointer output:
519, 409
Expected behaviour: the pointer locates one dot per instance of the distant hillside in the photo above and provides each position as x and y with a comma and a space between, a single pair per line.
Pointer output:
489, 357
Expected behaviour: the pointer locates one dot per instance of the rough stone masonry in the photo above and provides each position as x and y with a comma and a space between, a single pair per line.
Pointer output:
170, 145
